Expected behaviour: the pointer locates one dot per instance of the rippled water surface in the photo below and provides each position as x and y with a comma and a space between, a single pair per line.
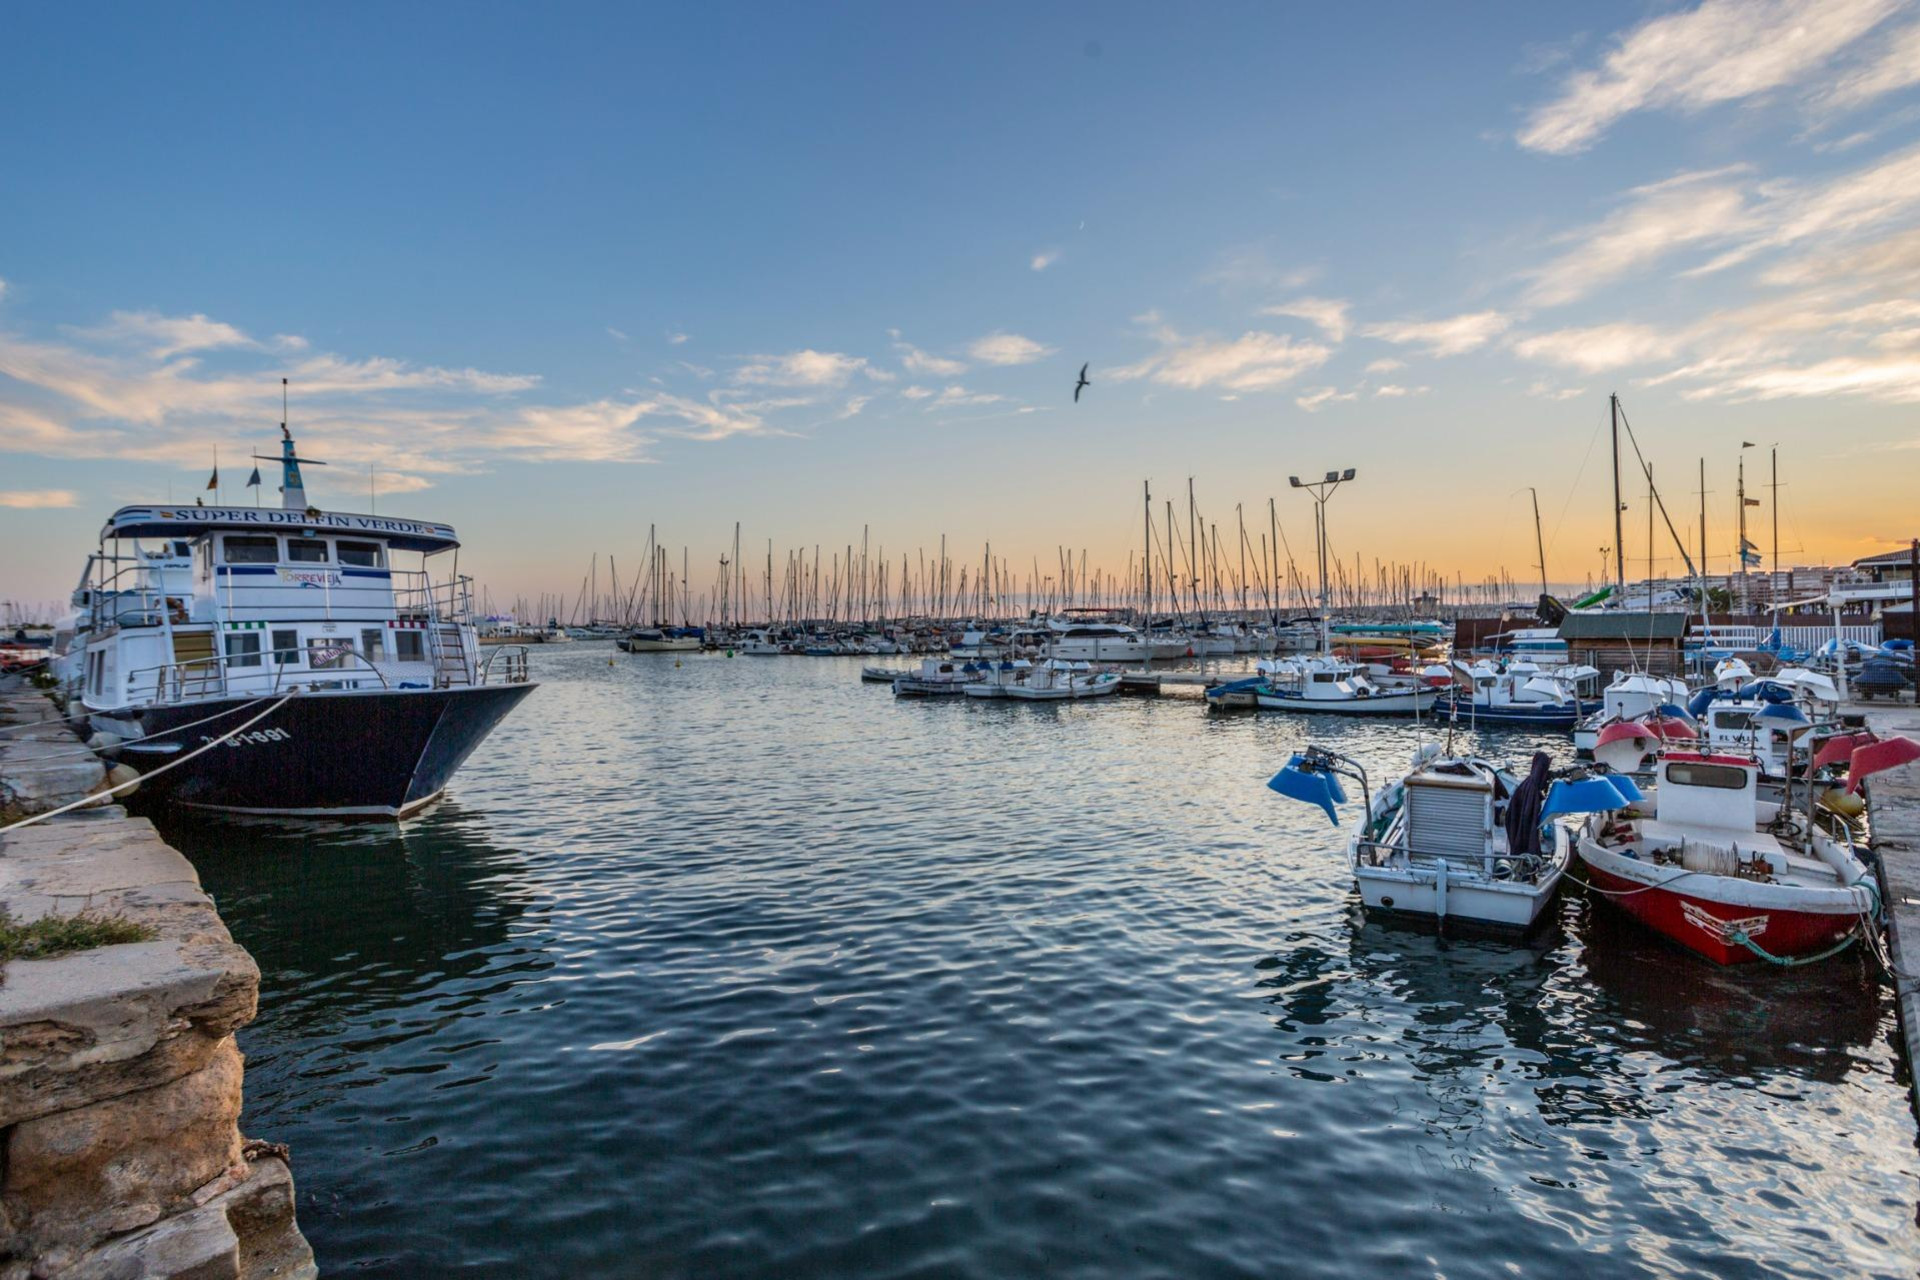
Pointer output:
737, 967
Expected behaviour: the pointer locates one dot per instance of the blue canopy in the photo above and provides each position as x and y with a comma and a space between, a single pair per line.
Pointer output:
1300, 781
1624, 784
1783, 715
1671, 711
1596, 794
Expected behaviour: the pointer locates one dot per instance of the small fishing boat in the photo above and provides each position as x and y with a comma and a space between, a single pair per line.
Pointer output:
882, 675
1324, 685
658, 640
1519, 695
1456, 838
1710, 864
1058, 681
1630, 696
936, 678
998, 679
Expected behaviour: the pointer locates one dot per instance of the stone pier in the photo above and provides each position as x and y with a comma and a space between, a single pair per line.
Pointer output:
1894, 799
120, 1082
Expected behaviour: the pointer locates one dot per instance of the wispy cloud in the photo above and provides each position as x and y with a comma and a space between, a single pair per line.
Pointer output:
616, 334
1596, 348
1393, 391
1893, 66
1007, 348
1874, 196
1453, 336
163, 336
1044, 259
1548, 391
914, 360
1318, 398
1656, 220
1255, 361
37, 499
1385, 364
958, 397
807, 368
676, 339
1329, 315
1721, 51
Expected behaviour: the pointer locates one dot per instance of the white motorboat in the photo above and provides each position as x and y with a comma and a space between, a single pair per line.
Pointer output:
1078, 639
936, 678
1456, 838
658, 640
1325, 685
1056, 680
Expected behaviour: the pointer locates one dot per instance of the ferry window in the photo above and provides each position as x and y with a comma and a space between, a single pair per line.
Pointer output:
364, 554
370, 644
286, 646
1722, 776
250, 549
328, 654
243, 649
410, 646
1733, 720
307, 550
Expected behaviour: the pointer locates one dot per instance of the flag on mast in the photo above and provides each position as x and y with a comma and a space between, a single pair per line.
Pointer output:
213, 481
253, 481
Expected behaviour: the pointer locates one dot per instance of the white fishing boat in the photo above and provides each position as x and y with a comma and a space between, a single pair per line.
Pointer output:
658, 640
1517, 695
1324, 685
1056, 680
936, 678
761, 644
998, 679
1456, 838
1630, 696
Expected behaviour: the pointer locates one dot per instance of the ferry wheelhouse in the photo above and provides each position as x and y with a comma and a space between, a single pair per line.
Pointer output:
343, 643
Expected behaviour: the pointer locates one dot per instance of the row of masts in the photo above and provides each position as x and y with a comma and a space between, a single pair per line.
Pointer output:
1186, 571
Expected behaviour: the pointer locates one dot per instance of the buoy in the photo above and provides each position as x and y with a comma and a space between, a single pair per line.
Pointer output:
1847, 806
676, 664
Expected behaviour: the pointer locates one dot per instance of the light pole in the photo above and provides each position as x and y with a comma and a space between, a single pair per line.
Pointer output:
1321, 491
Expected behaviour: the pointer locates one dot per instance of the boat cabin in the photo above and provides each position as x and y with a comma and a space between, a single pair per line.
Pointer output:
202, 602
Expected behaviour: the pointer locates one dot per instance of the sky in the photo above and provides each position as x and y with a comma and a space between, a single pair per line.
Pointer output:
554, 275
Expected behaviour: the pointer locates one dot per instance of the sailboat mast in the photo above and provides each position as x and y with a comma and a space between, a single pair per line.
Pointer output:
1539, 542
1619, 535
1146, 591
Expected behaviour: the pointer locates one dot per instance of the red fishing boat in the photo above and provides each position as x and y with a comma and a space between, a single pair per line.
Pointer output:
1704, 860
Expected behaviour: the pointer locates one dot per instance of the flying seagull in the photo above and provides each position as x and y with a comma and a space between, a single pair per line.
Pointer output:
1082, 384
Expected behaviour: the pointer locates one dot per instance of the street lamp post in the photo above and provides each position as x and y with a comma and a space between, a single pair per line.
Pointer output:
1321, 491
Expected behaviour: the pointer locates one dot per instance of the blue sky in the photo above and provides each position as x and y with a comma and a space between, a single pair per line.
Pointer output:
556, 274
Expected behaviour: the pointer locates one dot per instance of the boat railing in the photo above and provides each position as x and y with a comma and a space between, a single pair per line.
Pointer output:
417, 595
214, 676
514, 667
1481, 861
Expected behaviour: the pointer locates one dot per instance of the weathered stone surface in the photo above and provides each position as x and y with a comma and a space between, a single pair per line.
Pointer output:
46, 766
78, 1176
120, 1081
1895, 815
246, 1232
115, 1019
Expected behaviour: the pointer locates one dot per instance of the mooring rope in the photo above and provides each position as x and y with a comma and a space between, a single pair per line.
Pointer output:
171, 764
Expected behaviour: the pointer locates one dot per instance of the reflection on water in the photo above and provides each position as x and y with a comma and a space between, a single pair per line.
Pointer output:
740, 968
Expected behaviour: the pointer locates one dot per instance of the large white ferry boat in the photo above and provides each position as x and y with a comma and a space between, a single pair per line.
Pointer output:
341, 642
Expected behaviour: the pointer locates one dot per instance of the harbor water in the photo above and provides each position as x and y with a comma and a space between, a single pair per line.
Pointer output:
737, 967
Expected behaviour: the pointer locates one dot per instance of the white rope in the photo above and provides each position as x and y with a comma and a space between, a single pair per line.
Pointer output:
210, 745
83, 749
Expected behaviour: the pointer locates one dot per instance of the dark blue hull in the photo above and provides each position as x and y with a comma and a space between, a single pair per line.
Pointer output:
1544, 716
380, 754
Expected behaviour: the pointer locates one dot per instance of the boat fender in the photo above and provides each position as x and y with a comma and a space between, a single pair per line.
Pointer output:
123, 775
105, 742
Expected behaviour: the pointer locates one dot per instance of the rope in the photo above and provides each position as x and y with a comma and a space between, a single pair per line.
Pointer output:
171, 764
181, 728
1787, 962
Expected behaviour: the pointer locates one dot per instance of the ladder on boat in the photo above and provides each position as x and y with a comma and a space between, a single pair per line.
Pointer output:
449, 655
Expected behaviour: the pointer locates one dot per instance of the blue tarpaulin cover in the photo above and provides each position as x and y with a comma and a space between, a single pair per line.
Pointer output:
1315, 786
